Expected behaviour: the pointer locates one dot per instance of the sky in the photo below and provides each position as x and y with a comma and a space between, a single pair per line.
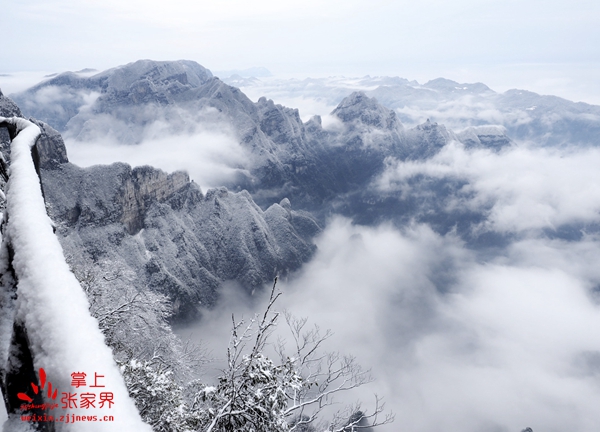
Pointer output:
544, 46
506, 343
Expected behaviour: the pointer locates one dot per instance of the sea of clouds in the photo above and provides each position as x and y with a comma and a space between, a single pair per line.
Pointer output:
459, 338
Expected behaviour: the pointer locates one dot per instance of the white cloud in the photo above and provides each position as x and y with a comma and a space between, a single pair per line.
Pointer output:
457, 113
210, 157
523, 187
454, 343
19, 81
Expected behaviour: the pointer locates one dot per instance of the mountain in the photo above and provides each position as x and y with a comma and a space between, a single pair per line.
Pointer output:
337, 167
466, 217
163, 230
303, 161
175, 239
526, 116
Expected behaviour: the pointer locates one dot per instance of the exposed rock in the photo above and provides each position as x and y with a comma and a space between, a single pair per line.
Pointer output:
8, 108
51, 147
176, 240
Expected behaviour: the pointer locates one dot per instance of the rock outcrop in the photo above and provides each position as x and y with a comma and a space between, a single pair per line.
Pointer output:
172, 237
160, 227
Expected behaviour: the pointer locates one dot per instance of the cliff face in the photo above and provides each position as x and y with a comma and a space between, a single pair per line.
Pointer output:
160, 228
172, 237
144, 186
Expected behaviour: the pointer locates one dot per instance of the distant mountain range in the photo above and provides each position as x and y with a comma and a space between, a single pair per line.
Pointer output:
545, 120
184, 242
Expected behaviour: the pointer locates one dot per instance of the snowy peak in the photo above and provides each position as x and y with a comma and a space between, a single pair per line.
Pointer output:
58, 100
359, 108
149, 82
427, 139
159, 73
488, 136
123, 78
281, 124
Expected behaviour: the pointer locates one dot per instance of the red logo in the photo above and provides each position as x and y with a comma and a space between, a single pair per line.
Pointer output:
36, 389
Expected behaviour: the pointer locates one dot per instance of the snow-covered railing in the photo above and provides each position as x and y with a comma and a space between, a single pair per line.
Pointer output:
52, 351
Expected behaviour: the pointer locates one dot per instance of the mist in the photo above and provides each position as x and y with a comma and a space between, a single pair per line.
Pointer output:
521, 188
459, 340
454, 343
197, 141
14, 82
211, 158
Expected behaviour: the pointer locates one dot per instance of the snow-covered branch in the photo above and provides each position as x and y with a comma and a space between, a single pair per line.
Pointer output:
254, 393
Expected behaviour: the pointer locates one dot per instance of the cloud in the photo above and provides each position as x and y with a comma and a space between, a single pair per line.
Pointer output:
458, 113
522, 188
19, 81
212, 157
193, 139
454, 342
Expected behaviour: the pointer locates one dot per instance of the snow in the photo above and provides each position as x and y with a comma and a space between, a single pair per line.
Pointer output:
3, 415
64, 337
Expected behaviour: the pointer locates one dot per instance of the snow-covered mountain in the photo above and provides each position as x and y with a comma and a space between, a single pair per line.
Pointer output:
161, 227
308, 163
543, 120
354, 165
177, 240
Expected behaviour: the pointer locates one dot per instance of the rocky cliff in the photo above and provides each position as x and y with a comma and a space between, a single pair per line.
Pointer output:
323, 170
162, 230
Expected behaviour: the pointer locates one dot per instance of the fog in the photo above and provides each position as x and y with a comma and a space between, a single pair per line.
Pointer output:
211, 158
455, 343
523, 187
199, 142
456, 340
19, 81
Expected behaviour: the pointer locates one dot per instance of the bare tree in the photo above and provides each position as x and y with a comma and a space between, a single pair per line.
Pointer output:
255, 394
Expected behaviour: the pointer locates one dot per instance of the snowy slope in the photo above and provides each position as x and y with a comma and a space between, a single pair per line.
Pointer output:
50, 303
177, 240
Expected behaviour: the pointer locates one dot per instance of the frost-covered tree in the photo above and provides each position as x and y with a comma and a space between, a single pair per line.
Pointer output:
258, 394
135, 323
284, 392
153, 360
